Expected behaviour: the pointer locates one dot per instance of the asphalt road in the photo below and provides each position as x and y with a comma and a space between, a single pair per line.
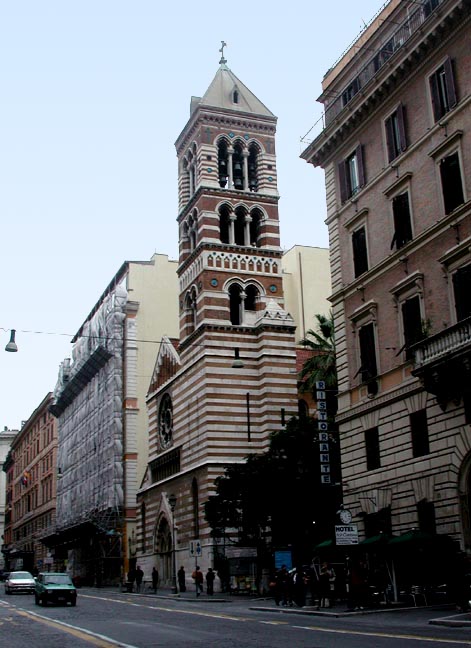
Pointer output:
109, 618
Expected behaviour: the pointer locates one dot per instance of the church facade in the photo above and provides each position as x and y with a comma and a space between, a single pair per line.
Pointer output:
229, 380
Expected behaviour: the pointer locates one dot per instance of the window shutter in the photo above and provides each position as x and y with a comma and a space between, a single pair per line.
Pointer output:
367, 353
434, 91
402, 127
450, 83
361, 166
343, 181
390, 138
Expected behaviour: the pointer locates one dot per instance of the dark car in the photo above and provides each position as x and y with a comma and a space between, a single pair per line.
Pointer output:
19, 581
53, 587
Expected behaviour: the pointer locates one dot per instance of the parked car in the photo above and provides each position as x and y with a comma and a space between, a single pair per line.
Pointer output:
53, 587
19, 581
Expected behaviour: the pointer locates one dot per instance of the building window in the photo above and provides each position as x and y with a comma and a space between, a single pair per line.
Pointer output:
351, 174
373, 459
467, 407
380, 522
462, 292
412, 323
360, 252
368, 367
429, 6
402, 220
426, 516
395, 133
350, 91
452, 186
442, 89
419, 433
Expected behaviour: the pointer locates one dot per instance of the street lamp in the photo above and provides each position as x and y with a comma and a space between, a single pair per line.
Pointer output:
172, 501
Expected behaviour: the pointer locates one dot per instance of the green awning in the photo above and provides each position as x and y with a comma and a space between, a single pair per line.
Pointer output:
419, 537
324, 545
380, 539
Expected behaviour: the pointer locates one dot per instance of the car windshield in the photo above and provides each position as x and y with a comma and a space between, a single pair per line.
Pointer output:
57, 579
20, 575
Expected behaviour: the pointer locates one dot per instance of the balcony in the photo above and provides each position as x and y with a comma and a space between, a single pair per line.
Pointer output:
443, 361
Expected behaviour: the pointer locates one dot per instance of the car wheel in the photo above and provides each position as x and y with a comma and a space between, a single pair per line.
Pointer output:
73, 602
7, 590
36, 599
43, 601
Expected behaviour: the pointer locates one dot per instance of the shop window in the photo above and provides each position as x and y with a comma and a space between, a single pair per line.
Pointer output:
395, 133
412, 323
360, 251
462, 292
426, 516
402, 220
373, 458
351, 174
452, 186
419, 433
442, 88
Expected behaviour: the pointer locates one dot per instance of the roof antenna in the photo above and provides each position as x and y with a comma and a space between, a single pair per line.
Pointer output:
223, 61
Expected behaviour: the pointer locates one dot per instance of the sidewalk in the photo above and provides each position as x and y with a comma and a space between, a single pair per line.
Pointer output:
267, 604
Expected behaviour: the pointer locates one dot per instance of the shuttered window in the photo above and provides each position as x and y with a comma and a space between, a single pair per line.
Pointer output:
442, 88
396, 133
351, 174
402, 220
360, 252
368, 366
373, 457
452, 187
412, 323
419, 433
462, 292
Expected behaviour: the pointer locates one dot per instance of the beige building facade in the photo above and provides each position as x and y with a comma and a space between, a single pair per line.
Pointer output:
395, 149
99, 402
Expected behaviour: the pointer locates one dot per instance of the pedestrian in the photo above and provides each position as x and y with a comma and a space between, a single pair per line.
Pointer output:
139, 577
299, 587
358, 585
155, 579
197, 576
181, 579
324, 585
210, 576
131, 579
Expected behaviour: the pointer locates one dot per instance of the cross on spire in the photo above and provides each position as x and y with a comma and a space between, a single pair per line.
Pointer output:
223, 60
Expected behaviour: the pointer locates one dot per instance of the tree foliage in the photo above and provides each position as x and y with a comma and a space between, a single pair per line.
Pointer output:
274, 495
322, 364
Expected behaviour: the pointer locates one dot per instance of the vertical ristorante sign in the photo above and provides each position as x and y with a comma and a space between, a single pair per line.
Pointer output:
323, 428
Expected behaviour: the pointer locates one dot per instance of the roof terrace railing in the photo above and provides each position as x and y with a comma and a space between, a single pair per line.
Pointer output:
395, 41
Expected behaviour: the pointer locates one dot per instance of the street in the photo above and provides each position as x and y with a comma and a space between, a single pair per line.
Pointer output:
108, 618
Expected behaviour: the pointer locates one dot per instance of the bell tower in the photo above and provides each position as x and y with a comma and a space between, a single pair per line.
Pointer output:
207, 410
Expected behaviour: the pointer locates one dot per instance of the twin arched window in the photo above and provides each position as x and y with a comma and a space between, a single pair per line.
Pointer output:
243, 303
238, 165
240, 227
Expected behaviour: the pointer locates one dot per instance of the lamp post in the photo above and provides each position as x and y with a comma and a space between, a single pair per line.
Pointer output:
172, 501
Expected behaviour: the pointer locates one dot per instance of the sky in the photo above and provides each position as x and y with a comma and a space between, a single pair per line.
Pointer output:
93, 95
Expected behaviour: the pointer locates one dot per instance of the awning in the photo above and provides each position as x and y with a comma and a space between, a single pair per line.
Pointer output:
325, 544
380, 539
420, 538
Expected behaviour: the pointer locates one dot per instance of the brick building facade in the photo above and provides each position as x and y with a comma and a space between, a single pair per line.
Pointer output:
396, 153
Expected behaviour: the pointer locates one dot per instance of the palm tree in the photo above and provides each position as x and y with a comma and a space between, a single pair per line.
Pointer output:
321, 365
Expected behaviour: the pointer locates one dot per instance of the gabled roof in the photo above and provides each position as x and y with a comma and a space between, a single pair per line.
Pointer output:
220, 94
166, 365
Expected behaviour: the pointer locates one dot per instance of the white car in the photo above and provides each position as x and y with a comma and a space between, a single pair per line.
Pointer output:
20, 581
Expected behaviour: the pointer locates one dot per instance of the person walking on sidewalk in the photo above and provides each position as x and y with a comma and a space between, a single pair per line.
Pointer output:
155, 579
139, 577
181, 579
210, 576
197, 576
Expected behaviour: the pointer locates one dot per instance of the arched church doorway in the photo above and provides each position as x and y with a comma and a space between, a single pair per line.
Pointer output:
163, 549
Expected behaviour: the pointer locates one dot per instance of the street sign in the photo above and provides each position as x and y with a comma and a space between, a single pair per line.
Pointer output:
346, 534
195, 548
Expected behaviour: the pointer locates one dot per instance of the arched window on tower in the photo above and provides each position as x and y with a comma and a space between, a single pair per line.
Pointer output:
190, 307
224, 224
192, 227
251, 298
239, 226
238, 167
236, 304
257, 216
195, 506
254, 154
222, 163
235, 97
